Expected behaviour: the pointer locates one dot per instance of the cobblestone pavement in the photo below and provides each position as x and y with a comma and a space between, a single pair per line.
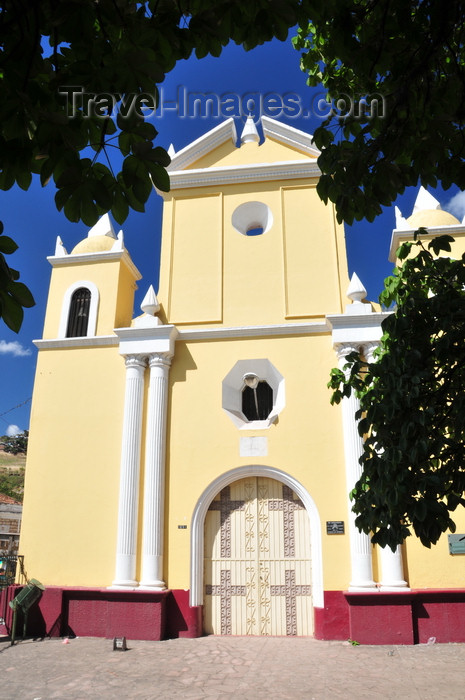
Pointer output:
229, 667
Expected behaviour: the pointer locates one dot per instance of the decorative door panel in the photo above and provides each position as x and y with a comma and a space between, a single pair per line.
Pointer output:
257, 561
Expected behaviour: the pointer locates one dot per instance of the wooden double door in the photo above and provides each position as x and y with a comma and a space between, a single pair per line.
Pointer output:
257, 561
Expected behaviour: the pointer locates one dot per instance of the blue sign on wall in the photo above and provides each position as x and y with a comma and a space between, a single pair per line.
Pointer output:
456, 544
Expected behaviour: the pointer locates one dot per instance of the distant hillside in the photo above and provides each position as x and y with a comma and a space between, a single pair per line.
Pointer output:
12, 469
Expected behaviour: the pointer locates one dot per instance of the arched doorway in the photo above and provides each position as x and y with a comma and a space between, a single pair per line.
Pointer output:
257, 560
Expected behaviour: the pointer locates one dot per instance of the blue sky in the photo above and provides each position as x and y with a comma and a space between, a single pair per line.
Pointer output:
32, 220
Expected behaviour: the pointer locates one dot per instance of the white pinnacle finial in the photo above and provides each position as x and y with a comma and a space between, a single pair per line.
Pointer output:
356, 292
150, 305
425, 200
171, 151
249, 132
119, 243
103, 227
401, 223
60, 248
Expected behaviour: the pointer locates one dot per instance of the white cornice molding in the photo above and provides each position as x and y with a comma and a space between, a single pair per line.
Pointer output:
289, 136
138, 335
355, 328
232, 174
206, 143
400, 236
82, 342
145, 341
253, 331
104, 256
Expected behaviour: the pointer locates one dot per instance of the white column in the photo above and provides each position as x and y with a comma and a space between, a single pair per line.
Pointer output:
125, 576
360, 545
392, 567
392, 570
154, 482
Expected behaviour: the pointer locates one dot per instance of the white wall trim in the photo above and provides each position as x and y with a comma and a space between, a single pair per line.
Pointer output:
103, 256
356, 328
206, 143
93, 309
253, 331
400, 236
231, 174
289, 136
201, 508
83, 342
282, 329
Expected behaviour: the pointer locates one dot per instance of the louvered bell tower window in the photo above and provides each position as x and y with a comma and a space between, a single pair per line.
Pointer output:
257, 402
78, 318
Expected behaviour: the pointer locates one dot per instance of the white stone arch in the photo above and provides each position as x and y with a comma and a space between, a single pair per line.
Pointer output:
200, 512
93, 309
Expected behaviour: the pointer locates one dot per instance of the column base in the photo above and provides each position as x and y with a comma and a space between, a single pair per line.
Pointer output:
363, 587
124, 585
394, 586
152, 586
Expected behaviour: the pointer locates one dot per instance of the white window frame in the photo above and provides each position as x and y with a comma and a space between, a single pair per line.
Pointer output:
233, 384
93, 308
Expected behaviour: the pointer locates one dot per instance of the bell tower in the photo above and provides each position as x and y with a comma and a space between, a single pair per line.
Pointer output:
92, 288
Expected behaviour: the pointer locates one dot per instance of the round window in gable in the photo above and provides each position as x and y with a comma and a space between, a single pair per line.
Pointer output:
252, 219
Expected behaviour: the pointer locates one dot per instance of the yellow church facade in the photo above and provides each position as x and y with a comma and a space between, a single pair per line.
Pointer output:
186, 473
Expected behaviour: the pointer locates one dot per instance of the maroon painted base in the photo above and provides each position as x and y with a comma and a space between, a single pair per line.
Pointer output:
409, 617
90, 612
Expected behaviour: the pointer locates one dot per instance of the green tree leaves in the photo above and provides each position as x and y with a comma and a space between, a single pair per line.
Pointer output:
14, 296
410, 55
412, 404
74, 78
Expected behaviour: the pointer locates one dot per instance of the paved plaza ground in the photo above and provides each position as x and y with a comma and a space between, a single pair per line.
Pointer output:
229, 667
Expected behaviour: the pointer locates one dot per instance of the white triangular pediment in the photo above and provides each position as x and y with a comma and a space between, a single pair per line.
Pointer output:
217, 158
204, 144
289, 136
225, 133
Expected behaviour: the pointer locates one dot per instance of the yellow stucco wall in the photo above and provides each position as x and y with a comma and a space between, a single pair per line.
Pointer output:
204, 443
227, 155
435, 567
211, 273
68, 534
211, 276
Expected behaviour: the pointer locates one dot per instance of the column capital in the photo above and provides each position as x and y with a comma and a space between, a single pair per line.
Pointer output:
135, 361
344, 349
159, 359
368, 350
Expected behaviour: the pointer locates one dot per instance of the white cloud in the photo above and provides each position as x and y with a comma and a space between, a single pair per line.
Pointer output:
13, 348
13, 430
456, 205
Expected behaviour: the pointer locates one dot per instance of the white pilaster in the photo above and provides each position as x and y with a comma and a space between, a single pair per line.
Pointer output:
392, 567
154, 483
129, 477
360, 545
